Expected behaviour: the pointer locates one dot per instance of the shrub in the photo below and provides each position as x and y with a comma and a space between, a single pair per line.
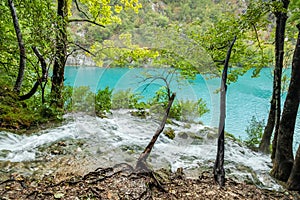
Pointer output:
103, 101
127, 99
191, 110
83, 99
185, 110
254, 132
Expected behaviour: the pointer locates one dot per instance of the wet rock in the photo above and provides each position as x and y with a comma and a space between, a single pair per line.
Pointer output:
188, 158
208, 133
183, 135
140, 113
187, 126
131, 149
169, 132
4, 153
196, 139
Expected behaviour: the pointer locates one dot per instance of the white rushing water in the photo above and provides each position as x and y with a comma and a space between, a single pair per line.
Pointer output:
122, 137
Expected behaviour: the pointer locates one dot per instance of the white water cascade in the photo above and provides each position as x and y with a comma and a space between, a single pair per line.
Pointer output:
121, 138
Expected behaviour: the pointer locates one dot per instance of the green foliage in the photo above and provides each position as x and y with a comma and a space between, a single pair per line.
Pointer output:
184, 110
295, 12
191, 110
254, 132
103, 101
83, 99
22, 115
121, 51
127, 99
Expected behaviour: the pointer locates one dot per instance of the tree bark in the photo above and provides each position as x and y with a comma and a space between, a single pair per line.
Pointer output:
294, 179
281, 18
60, 56
40, 80
264, 145
219, 172
22, 64
275, 109
284, 158
141, 163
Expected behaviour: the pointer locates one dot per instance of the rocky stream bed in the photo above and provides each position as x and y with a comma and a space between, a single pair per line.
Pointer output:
82, 159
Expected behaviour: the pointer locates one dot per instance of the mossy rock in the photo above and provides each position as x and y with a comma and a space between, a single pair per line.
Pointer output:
197, 142
187, 126
196, 138
140, 113
131, 148
62, 147
169, 132
188, 158
183, 135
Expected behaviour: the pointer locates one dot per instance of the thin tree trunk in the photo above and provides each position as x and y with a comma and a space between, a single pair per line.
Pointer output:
281, 18
219, 172
293, 182
275, 108
141, 163
40, 80
284, 158
22, 65
60, 57
264, 145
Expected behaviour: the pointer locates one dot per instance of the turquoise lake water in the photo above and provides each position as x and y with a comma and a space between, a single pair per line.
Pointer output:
246, 98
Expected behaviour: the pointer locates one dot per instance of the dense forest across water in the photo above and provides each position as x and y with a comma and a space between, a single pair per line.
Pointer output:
202, 107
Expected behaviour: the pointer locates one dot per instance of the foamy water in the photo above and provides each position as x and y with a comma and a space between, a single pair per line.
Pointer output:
122, 137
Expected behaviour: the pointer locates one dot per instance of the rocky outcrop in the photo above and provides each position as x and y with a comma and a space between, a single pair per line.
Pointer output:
80, 60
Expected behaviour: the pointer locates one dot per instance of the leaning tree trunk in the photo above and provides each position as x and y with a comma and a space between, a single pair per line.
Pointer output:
22, 51
275, 109
219, 172
40, 80
283, 161
60, 55
141, 163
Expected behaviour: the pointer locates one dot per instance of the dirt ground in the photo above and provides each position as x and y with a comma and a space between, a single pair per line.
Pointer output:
121, 182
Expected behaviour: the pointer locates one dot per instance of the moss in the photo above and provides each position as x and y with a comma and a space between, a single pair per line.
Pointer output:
140, 113
183, 135
187, 126
170, 133
21, 116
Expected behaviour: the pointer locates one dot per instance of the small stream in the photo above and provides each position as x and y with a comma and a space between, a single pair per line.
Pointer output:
121, 137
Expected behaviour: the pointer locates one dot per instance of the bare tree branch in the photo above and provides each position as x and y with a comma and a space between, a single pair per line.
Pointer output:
43, 63
78, 8
84, 49
86, 20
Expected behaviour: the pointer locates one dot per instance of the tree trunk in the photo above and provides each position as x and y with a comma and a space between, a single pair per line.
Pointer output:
22, 64
40, 80
283, 161
60, 56
275, 109
264, 145
294, 179
141, 163
219, 172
